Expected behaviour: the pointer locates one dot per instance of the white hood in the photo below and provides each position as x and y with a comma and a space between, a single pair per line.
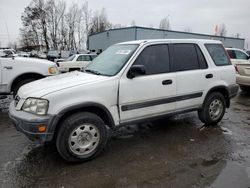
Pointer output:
52, 84
34, 60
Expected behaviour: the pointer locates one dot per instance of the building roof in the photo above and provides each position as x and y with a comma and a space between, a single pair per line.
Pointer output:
137, 27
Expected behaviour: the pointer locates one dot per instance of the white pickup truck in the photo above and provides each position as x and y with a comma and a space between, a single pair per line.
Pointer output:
17, 71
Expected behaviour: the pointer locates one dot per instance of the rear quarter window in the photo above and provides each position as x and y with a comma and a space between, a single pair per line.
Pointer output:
218, 54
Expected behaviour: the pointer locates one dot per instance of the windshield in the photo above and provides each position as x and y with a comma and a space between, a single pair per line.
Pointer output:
111, 61
71, 58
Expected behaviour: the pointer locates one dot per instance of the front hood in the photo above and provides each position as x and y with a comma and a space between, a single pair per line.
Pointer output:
52, 84
34, 60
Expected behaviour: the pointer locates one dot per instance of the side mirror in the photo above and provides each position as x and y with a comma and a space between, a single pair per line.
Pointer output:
136, 70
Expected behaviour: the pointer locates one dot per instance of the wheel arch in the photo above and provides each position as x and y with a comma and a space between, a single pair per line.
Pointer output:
221, 89
25, 76
95, 108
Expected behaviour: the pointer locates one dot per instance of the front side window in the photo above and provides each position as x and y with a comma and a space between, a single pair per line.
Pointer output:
111, 61
231, 54
240, 55
218, 54
155, 59
186, 57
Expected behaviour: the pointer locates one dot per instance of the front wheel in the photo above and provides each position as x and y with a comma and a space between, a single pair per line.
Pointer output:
213, 109
81, 137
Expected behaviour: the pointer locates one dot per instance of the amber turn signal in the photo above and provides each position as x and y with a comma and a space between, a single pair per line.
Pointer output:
41, 128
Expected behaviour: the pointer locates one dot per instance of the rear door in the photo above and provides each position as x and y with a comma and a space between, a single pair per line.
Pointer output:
150, 94
83, 60
192, 74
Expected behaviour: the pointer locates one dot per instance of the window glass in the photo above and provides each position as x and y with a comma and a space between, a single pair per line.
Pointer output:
79, 58
218, 54
71, 58
111, 61
240, 55
201, 58
231, 54
155, 59
185, 57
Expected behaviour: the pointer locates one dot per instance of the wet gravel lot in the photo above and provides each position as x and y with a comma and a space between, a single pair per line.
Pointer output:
172, 152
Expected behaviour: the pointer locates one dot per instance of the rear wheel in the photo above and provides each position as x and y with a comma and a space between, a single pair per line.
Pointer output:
213, 109
21, 83
81, 137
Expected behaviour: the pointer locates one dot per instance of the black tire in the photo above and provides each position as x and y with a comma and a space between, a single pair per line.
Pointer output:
206, 114
68, 129
21, 83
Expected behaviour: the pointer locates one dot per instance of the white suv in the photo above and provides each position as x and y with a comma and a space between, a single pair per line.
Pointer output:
128, 83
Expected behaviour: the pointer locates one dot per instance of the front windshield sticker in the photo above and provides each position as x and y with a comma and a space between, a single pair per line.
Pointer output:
123, 52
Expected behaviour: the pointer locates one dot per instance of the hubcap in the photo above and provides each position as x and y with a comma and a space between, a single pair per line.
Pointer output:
84, 139
215, 109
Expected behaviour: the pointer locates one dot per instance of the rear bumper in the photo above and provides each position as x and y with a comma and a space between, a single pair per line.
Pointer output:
28, 124
243, 80
233, 90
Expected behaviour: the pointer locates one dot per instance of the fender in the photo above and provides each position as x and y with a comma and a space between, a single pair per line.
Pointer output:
224, 90
67, 111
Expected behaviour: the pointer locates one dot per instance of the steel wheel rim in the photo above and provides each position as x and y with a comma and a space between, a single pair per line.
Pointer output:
215, 109
84, 139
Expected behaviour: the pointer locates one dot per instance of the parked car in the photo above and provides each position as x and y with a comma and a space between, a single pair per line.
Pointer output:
8, 52
75, 62
52, 55
248, 52
237, 55
128, 83
17, 71
241, 61
243, 75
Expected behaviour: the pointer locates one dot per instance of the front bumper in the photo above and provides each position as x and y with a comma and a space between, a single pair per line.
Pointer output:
28, 124
233, 90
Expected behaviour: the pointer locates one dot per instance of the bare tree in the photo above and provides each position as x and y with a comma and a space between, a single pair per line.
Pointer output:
100, 22
188, 30
222, 30
133, 23
165, 24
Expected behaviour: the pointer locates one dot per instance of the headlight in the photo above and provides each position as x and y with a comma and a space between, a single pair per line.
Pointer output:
36, 106
52, 70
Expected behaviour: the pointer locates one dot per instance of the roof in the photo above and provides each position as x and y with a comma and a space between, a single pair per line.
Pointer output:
172, 40
137, 27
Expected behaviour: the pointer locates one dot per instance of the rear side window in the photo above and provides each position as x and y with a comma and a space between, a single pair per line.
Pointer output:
218, 54
155, 59
186, 57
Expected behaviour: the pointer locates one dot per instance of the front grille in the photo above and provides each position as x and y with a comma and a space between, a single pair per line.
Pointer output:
16, 100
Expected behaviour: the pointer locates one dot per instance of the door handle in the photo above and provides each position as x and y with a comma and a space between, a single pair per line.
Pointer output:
8, 67
167, 82
209, 76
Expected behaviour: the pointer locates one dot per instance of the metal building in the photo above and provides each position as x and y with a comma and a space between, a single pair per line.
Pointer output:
102, 40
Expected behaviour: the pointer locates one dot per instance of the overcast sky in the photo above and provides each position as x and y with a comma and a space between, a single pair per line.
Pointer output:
201, 16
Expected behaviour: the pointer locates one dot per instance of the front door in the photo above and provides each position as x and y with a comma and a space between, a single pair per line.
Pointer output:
151, 94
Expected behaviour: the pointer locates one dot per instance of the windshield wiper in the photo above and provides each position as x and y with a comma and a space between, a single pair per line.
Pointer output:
93, 71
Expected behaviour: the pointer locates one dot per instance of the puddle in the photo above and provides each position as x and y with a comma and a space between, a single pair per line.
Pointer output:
233, 175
